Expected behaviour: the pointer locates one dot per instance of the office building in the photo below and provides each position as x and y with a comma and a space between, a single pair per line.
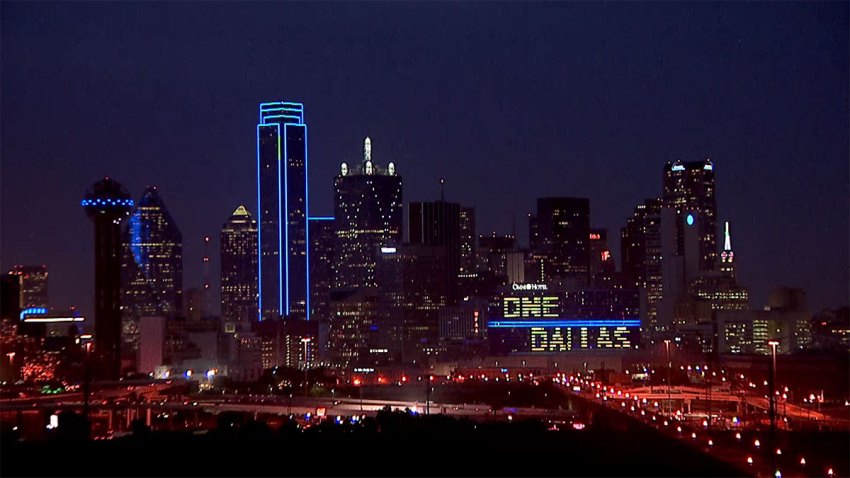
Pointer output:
107, 204
468, 242
640, 246
32, 284
353, 313
153, 259
322, 236
560, 231
602, 266
493, 253
238, 242
749, 331
689, 189
368, 214
438, 224
282, 209
152, 268
410, 300
787, 298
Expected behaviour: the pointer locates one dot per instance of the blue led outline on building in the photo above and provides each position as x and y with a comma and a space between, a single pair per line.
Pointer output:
321, 218
280, 223
106, 202
259, 235
32, 311
525, 324
298, 120
306, 222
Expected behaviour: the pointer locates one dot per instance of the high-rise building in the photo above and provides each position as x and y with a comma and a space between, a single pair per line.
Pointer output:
410, 299
438, 224
602, 266
689, 189
468, 241
239, 267
152, 261
368, 214
282, 203
193, 300
322, 236
107, 203
493, 253
354, 312
560, 230
640, 243
32, 283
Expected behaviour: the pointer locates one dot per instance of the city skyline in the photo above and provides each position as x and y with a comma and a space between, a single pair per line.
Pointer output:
776, 218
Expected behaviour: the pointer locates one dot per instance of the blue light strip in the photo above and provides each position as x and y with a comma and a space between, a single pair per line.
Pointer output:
106, 202
525, 324
259, 236
32, 311
321, 218
306, 222
282, 238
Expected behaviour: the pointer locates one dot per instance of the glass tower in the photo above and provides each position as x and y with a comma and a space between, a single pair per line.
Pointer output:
368, 214
282, 205
153, 259
239, 267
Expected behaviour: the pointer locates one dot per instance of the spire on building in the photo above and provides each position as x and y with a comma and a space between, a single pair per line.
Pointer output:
442, 189
727, 242
367, 150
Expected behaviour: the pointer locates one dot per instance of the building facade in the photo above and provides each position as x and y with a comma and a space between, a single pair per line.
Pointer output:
368, 214
282, 205
322, 234
239, 286
689, 188
560, 231
32, 284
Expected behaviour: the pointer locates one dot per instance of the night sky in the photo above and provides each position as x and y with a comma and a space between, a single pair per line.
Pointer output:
508, 102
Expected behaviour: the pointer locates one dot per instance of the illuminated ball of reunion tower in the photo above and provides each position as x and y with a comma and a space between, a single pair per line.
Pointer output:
107, 200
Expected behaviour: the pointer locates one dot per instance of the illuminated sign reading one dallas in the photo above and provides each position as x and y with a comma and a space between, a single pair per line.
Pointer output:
536, 324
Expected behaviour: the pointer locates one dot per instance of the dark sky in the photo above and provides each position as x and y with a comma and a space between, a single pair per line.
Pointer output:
509, 102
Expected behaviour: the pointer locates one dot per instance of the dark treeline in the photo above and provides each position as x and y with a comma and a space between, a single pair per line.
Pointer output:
394, 443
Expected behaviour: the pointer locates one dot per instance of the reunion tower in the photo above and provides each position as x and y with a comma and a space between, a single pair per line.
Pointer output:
107, 203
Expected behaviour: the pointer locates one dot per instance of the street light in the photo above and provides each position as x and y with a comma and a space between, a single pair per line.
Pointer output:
669, 366
86, 380
11, 356
772, 378
360, 392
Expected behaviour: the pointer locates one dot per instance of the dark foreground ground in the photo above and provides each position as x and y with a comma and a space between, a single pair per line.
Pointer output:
390, 446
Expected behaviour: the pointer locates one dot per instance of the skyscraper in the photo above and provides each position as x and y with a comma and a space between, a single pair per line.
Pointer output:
640, 242
368, 214
107, 203
560, 230
282, 203
689, 189
438, 224
32, 283
411, 296
153, 260
468, 241
239, 267
322, 234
